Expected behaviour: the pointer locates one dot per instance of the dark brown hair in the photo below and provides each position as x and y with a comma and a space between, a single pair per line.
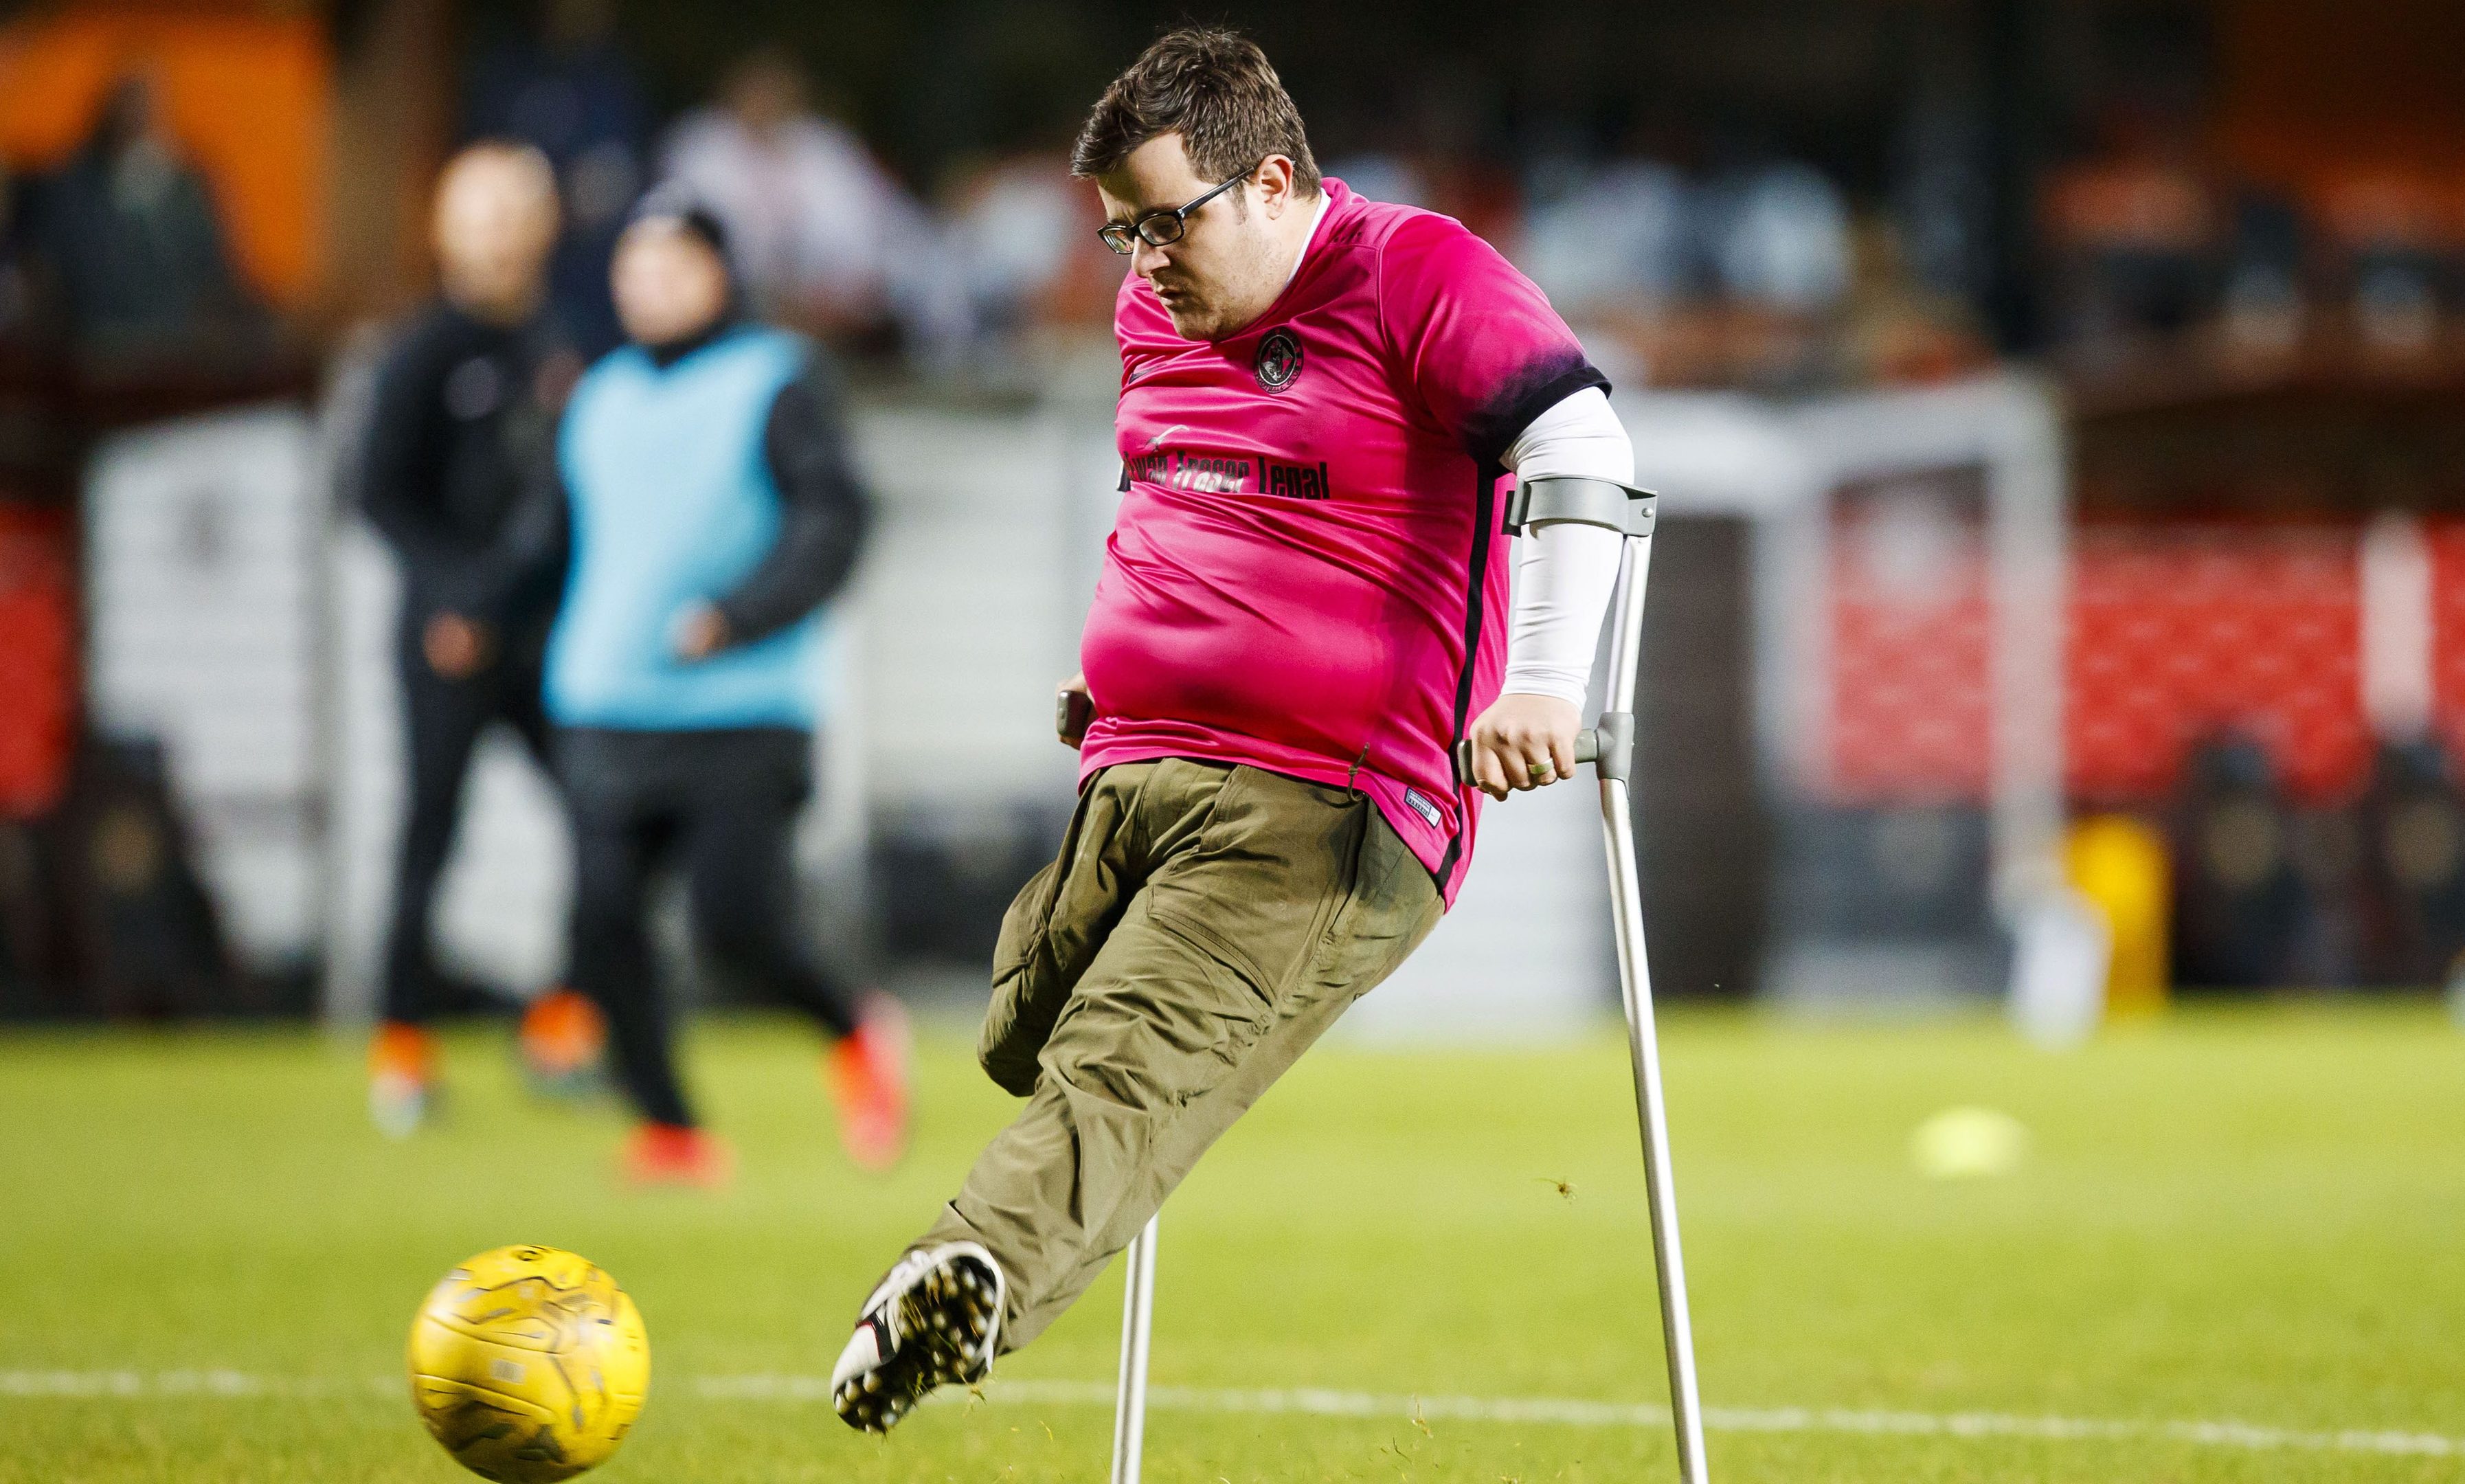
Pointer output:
1214, 88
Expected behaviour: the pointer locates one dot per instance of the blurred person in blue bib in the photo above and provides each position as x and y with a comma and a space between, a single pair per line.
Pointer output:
700, 509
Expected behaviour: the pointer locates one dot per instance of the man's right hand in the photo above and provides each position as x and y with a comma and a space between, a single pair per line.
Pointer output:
1072, 709
1522, 742
455, 646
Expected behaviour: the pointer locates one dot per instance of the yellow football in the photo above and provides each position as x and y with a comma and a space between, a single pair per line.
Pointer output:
528, 1364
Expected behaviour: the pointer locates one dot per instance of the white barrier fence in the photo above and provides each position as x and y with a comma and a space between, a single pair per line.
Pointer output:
239, 616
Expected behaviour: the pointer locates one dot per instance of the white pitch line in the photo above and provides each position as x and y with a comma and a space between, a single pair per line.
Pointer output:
1558, 1411
151, 1384
1568, 1412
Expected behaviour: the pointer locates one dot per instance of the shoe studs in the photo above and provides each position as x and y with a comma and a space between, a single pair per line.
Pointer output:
945, 1317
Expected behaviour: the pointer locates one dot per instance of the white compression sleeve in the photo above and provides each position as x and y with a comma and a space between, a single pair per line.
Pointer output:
1566, 572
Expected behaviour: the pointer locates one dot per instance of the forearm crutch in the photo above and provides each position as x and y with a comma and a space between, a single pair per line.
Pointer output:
1609, 747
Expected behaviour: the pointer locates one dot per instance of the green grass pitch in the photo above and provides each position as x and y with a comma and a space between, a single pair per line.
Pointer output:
2236, 1252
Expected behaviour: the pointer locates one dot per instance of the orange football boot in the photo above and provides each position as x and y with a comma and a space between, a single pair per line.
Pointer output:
671, 1154
869, 1078
402, 1077
563, 1038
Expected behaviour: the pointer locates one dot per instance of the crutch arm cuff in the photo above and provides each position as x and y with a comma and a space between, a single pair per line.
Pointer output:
1551, 498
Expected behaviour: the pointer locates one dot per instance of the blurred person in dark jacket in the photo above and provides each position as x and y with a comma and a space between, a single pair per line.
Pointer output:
131, 230
702, 508
465, 409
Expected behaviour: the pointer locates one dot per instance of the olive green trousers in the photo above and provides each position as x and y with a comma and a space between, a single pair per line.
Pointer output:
1202, 926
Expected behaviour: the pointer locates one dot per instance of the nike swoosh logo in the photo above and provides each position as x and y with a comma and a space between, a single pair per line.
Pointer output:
1157, 441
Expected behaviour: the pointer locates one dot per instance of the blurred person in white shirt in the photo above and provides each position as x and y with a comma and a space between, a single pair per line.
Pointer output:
821, 233
1013, 229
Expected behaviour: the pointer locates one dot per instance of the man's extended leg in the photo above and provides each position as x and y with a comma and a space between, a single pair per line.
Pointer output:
1257, 909
1292, 901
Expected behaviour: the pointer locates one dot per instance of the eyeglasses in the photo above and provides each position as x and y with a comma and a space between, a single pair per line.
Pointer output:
1161, 227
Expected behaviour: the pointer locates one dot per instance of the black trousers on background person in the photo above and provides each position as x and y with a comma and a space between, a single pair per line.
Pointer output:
442, 721
723, 804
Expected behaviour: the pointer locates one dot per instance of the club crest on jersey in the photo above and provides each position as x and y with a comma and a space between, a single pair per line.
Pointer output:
1279, 360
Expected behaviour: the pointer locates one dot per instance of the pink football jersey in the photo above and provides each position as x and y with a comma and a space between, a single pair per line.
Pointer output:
1307, 573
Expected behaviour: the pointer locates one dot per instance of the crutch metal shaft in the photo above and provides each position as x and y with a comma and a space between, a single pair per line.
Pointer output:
1138, 1316
1634, 980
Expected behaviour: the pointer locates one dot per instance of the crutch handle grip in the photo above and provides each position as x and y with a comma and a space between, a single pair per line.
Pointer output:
1603, 745
1073, 712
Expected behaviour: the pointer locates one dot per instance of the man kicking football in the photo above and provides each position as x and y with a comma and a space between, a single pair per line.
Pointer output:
1299, 617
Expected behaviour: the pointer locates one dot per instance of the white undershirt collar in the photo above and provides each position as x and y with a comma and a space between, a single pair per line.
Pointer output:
1325, 199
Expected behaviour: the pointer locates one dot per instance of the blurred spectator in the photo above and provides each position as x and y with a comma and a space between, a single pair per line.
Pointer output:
131, 230
2135, 234
2239, 902
1021, 251
822, 239
1012, 231
2265, 310
1614, 240
1735, 280
145, 936
466, 406
1780, 240
1897, 331
708, 463
571, 95
2395, 249
2415, 818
